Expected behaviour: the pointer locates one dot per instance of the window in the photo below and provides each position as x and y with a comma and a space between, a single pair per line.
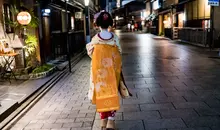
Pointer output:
195, 10
181, 18
156, 5
167, 21
207, 9
189, 11
72, 23
198, 9
201, 10
7, 16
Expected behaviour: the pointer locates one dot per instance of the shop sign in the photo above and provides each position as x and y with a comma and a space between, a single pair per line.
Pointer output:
213, 2
156, 4
78, 15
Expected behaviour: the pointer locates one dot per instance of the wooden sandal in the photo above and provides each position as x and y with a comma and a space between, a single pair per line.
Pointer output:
103, 124
110, 125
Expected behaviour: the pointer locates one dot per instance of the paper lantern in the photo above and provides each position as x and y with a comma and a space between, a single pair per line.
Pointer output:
24, 18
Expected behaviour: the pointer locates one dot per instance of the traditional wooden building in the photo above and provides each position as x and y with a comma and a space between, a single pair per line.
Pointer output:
64, 17
58, 20
188, 20
130, 12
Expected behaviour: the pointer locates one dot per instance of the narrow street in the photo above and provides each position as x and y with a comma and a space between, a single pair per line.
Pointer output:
174, 87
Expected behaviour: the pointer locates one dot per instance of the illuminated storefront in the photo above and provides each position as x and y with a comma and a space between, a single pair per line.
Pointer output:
198, 14
181, 19
167, 20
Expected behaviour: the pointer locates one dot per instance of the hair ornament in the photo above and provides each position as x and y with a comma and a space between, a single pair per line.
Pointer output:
105, 16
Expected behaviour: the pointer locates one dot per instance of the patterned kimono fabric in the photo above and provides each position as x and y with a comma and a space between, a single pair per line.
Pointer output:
106, 69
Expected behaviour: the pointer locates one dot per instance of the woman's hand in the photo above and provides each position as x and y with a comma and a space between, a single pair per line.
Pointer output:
90, 49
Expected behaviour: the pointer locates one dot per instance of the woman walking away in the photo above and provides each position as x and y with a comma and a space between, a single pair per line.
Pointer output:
106, 77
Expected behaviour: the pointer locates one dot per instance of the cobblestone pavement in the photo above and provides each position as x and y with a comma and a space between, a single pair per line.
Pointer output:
175, 87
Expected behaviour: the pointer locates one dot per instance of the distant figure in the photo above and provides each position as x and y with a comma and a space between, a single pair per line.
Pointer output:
136, 26
129, 26
140, 26
132, 27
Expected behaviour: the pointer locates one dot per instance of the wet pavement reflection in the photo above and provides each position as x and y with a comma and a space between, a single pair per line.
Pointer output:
175, 87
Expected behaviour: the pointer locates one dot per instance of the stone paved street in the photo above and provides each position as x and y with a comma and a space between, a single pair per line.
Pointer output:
175, 87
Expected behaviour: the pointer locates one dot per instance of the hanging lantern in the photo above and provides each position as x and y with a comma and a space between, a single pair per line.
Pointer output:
24, 18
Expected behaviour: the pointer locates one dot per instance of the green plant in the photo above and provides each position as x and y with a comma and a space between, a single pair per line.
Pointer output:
31, 42
18, 28
30, 50
42, 68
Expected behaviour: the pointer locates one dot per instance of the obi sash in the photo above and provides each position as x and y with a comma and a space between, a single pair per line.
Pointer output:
106, 70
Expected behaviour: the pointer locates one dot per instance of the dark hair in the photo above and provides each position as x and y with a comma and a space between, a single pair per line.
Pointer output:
104, 20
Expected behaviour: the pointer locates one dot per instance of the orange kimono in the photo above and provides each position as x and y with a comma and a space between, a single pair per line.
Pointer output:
106, 70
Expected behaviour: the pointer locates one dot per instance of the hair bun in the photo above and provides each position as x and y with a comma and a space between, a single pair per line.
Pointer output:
104, 20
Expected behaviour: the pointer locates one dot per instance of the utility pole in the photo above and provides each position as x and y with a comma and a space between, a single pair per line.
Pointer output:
67, 38
172, 26
211, 27
87, 14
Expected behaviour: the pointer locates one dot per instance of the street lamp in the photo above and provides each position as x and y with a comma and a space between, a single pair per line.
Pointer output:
87, 21
86, 2
24, 18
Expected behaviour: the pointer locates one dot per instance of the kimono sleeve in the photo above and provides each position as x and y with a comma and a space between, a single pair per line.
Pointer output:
118, 43
90, 46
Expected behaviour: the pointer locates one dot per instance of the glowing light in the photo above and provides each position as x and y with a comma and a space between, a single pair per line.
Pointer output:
116, 18
24, 18
47, 11
86, 2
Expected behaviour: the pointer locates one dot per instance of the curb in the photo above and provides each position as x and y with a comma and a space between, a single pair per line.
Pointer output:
193, 44
38, 75
161, 38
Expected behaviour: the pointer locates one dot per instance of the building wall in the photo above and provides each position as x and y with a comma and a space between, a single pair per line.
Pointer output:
161, 24
1, 3
1, 29
97, 4
216, 21
148, 8
196, 12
